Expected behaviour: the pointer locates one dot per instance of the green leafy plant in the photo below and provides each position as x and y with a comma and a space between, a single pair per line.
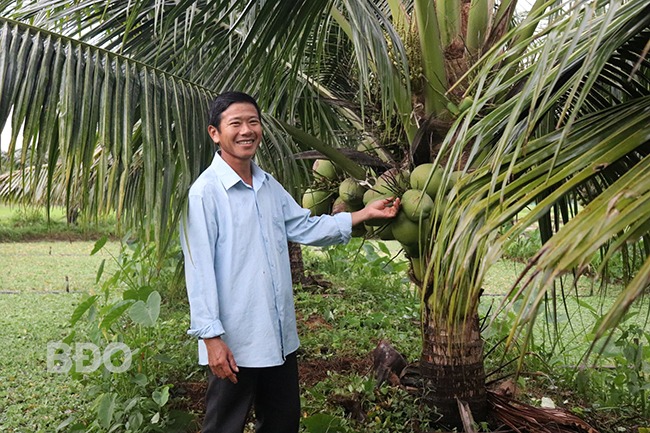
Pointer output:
622, 377
127, 310
524, 247
360, 257
26, 216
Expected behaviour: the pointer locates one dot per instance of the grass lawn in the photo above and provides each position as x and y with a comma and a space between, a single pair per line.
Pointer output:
35, 309
52, 266
31, 398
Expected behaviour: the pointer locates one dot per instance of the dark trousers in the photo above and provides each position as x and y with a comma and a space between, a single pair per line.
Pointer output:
272, 391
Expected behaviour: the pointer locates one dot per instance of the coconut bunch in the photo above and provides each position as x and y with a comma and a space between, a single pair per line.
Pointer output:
332, 193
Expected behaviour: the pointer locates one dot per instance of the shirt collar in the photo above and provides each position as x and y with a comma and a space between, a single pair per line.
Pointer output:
229, 177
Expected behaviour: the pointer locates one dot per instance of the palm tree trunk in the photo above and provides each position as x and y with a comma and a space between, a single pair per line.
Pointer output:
297, 264
452, 366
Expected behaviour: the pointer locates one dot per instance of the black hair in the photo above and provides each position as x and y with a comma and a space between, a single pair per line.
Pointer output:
225, 100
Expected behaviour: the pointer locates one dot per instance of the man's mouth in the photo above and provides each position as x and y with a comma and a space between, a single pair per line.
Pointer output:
245, 142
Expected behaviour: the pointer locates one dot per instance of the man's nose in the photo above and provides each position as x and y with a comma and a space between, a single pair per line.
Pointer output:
245, 128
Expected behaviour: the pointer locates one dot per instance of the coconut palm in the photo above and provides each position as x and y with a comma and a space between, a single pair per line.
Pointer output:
116, 94
556, 145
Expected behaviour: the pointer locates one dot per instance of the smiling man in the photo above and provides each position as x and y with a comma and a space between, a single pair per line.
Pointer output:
238, 274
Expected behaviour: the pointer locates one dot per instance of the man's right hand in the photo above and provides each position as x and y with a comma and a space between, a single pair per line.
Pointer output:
220, 359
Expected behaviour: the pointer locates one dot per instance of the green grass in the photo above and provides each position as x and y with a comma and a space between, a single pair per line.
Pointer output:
35, 309
18, 215
52, 266
6, 212
31, 398
365, 304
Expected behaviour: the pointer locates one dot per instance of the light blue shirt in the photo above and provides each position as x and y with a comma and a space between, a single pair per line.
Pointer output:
237, 266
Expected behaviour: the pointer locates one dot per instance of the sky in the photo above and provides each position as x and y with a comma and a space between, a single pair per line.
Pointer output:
5, 137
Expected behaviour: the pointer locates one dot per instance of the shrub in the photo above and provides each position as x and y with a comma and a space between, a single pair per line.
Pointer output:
27, 216
623, 378
127, 310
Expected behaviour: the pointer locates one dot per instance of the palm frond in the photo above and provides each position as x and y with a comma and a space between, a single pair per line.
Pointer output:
575, 124
85, 108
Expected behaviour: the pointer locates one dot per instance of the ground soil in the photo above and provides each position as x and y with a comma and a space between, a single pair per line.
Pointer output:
190, 396
311, 372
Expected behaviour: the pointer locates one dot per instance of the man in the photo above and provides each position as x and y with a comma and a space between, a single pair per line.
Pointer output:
238, 274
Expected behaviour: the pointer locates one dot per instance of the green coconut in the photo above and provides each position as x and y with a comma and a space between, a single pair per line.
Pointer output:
383, 231
351, 192
383, 188
406, 231
396, 180
324, 169
392, 182
317, 201
370, 196
373, 195
411, 251
341, 206
416, 205
420, 178
411, 234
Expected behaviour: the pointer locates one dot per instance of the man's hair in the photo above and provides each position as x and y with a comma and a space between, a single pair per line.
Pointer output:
225, 100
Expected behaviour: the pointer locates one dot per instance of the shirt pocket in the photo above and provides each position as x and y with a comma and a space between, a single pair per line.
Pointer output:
279, 234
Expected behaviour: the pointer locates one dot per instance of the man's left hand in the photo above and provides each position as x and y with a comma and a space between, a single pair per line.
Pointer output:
385, 209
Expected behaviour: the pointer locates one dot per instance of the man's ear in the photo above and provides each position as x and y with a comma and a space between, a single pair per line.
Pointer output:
214, 134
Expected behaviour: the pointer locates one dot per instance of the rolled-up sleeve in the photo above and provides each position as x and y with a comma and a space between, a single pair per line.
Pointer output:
199, 232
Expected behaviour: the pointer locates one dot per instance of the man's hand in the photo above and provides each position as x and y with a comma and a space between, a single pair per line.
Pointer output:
220, 359
385, 208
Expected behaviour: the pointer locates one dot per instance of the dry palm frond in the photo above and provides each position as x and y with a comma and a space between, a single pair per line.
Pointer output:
521, 417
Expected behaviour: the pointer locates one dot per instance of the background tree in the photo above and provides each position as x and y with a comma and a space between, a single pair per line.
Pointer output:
533, 123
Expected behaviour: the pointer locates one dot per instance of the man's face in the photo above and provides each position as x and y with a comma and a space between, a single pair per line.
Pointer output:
239, 133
